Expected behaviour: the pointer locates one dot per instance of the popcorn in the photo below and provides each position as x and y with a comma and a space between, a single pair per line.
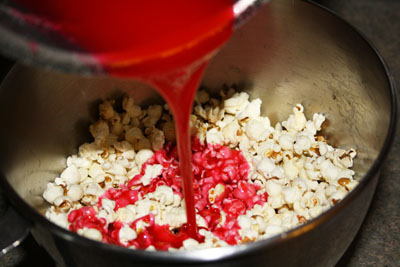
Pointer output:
164, 194
252, 180
106, 110
230, 132
108, 205
190, 244
99, 131
142, 156
75, 192
266, 166
252, 110
152, 171
202, 97
236, 103
96, 170
58, 218
63, 203
126, 215
214, 136
131, 109
257, 130
126, 234
92, 233
157, 139
71, 175
52, 192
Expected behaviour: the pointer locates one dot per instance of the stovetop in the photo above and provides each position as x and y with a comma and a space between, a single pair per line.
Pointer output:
378, 241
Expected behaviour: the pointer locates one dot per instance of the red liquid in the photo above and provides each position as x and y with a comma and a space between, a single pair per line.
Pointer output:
213, 165
164, 43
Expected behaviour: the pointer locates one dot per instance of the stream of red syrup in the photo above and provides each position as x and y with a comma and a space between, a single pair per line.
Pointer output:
166, 44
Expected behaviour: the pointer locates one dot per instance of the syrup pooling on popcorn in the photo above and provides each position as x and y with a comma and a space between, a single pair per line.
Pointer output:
251, 181
220, 187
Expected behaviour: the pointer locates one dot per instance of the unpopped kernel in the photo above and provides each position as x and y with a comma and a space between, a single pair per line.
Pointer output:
251, 180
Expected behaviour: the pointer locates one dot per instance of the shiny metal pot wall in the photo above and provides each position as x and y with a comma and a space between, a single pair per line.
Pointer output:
290, 52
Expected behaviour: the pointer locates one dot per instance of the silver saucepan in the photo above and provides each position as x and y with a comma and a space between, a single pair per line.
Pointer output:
290, 52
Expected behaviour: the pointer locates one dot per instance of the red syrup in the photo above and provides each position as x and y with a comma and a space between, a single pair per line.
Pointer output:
213, 165
166, 44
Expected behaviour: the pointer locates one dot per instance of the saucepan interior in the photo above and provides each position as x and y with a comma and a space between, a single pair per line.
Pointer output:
290, 52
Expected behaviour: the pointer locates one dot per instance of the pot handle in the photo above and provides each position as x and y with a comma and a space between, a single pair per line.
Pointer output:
13, 230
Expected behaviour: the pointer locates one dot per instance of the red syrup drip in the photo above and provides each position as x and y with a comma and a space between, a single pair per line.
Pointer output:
166, 44
212, 165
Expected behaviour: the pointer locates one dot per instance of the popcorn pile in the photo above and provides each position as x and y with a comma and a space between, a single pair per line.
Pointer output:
251, 180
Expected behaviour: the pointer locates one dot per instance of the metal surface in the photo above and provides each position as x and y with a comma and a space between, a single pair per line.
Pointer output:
19, 230
292, 52
34, 42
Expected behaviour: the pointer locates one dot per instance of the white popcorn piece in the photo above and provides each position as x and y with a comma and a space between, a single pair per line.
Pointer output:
276, 201
71, 175
63, 203
106, 110
145, 206
291, 195
272, 230
52, 192
164, 194
90, 151
157, 139
152, 248
110, 218
133, 134
236, 103
126, 234
96, 170
155, 111
257, 130
214, 136
92, 189
202, 97
126, 214
315, 211
266, 167
214, 114
143, 143
142, 156
252, 110
108, 205
79, 162
168, 129
190, 244
286, 141
151, 172
318, 119
291, 171
59, 218
273, 188
131, 109
329, 171
117, 169
230, 132
214, 192
91, 233
302, 143
99, 130
174, 216
75, 192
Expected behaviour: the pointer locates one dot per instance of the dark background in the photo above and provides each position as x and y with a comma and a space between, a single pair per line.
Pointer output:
378, 242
